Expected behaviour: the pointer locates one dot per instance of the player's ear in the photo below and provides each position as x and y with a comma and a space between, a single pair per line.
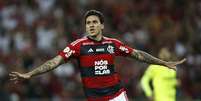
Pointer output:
102, 26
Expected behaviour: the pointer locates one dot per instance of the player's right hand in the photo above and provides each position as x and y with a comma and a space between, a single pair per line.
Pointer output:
16, 76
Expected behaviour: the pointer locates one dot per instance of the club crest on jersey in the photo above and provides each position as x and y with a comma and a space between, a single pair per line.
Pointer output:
110, 49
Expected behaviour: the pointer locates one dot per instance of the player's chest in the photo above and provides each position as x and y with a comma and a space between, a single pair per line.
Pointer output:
95, 49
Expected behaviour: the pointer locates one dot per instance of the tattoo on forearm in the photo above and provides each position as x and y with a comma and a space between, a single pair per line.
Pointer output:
47, 66
145, 57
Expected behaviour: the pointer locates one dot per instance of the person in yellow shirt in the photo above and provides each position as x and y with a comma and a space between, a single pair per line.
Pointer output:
163, 80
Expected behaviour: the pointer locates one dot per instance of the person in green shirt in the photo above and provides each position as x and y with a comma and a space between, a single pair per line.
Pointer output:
163, 80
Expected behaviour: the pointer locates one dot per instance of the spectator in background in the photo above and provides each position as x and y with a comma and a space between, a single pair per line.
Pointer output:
159, 82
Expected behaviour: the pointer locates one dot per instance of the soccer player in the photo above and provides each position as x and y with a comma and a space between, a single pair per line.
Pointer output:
96, 54
163, 80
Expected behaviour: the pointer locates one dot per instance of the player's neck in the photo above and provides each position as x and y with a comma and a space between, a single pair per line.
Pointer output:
97, 37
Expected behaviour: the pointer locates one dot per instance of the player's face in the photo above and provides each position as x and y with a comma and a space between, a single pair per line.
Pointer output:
93, 26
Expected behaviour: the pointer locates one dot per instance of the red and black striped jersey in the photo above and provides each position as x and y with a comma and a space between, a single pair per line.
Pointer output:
96, 61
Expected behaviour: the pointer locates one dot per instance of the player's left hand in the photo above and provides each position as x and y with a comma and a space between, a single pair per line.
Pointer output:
172, 65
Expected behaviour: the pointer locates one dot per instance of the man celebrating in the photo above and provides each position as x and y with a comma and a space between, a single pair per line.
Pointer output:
96, 55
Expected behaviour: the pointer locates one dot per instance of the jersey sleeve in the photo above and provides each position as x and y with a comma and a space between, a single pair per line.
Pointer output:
70, 51
122, 49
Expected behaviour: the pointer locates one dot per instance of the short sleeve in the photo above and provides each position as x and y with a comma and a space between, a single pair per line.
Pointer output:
69, 51
122, 49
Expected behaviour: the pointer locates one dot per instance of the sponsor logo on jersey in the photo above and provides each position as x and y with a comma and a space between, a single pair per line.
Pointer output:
106, 42
68, 52
124, 49
90, 50
101, 67
100, 50
88, 43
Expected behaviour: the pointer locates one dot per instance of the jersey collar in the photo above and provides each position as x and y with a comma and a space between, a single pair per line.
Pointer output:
95, 40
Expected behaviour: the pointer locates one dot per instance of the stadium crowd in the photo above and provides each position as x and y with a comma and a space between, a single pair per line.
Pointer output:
33, 31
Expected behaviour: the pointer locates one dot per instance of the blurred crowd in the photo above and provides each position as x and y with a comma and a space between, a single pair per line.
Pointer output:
33, 31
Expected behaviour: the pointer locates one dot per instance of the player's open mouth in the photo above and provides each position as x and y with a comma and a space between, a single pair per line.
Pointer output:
92, 30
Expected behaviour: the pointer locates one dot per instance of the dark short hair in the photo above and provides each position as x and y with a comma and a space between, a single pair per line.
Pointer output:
96, 13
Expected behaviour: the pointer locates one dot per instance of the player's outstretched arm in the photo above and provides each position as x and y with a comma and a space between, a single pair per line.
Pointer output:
145, 57
47, 66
